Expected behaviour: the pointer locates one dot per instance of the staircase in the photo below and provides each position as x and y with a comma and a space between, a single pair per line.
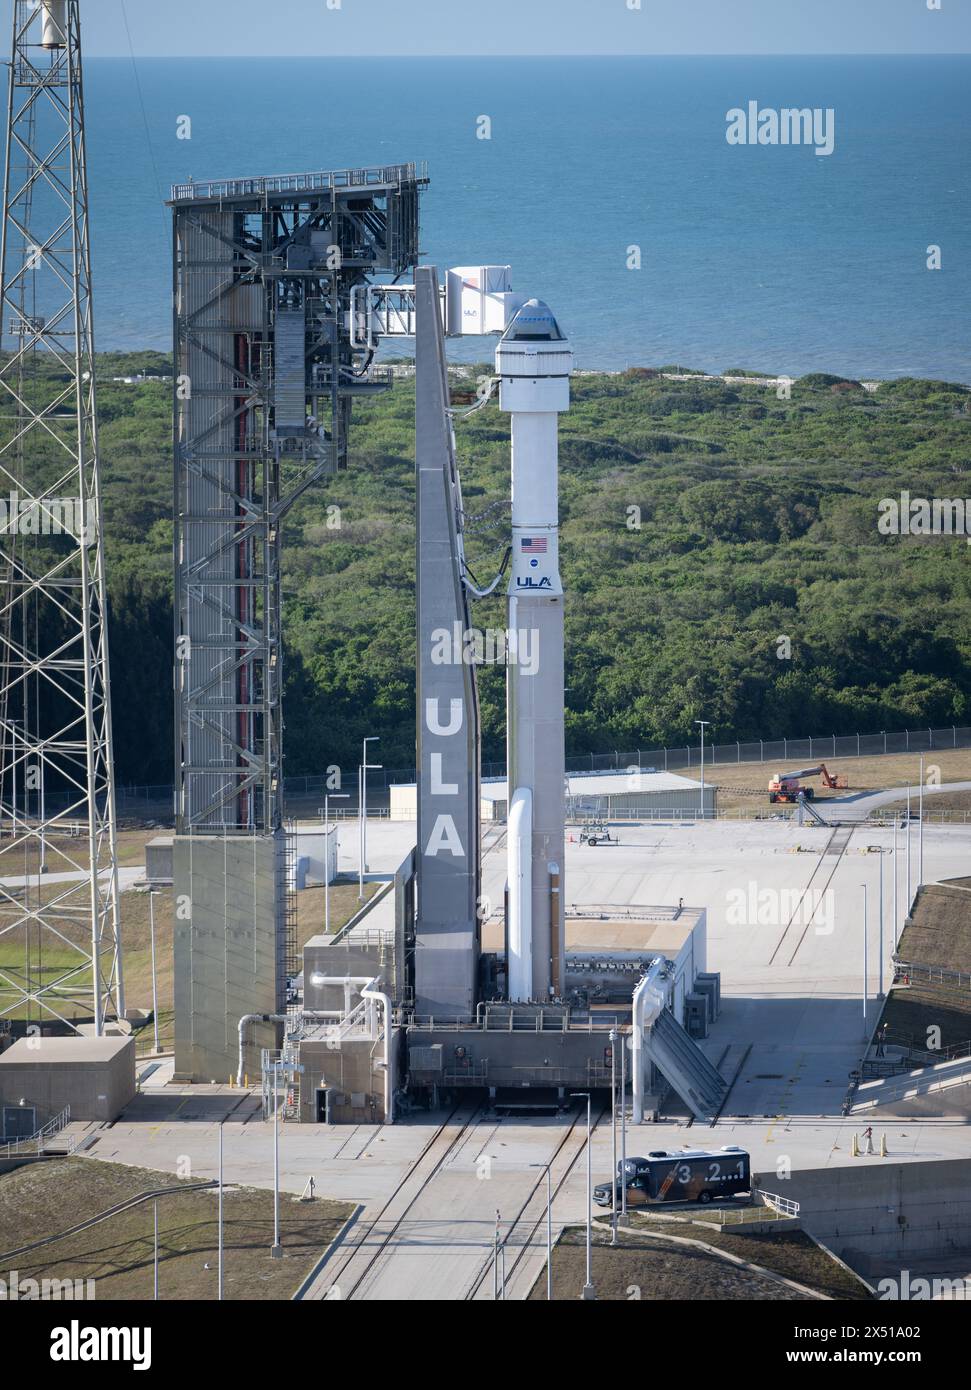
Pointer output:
685, 1067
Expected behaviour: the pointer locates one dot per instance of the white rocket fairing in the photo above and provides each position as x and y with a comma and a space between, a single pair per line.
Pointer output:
534, 362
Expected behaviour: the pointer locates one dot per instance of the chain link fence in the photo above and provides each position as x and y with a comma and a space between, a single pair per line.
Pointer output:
781, 751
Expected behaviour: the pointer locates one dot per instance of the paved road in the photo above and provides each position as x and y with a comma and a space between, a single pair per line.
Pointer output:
859, 806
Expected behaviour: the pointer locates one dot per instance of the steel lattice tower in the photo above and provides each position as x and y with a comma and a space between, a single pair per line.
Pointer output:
60, 949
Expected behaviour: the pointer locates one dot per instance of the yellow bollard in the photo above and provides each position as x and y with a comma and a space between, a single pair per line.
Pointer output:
855, 1147
883, 1145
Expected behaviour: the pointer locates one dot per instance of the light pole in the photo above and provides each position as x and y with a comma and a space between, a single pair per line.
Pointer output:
365, 768
909, 898
613, 1134
151, 927
220, 1295
623, 1126
288, 1069
896, 918
589, 1292
703, 724
549, 1227
276, 1250
866, 959
920, 829
338, 796
880, 930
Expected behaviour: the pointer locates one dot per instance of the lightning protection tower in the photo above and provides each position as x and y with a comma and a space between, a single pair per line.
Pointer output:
60, 948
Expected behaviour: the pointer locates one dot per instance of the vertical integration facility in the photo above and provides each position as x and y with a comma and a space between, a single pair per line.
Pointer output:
265, 377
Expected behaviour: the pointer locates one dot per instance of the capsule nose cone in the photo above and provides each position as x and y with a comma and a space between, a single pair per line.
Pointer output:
535, 322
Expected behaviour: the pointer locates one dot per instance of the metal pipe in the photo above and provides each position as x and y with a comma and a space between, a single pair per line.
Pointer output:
385, 1001
556, 962
519, 966
151, 916
648, 994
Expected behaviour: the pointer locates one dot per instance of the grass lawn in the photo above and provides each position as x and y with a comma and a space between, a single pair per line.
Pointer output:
118, 1253
638, 1269
793, 1254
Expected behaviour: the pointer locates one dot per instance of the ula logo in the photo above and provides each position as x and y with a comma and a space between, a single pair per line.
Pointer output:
77, 1343
788, 126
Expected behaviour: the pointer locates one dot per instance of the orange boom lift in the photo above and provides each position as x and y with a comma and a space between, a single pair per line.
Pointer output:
787, 786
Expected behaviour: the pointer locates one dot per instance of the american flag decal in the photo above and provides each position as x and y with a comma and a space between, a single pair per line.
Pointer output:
533, 545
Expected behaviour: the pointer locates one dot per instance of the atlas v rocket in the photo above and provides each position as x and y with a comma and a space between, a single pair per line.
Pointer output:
533, 363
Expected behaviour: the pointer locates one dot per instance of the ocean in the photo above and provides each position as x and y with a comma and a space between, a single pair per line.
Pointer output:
767, 257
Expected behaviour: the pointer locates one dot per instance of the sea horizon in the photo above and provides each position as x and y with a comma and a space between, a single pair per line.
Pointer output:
771, 259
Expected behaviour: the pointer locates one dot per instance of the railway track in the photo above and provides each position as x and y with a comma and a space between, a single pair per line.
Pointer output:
349, 1277
836, 848
566, 1156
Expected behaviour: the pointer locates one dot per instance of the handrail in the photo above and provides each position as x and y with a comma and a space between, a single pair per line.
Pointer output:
785, 1206
16, 1146
934, 973
320, 180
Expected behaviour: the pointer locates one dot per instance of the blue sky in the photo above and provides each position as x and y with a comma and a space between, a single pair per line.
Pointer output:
204, 28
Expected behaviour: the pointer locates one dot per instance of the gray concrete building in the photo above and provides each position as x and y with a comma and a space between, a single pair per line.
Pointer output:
41, 1077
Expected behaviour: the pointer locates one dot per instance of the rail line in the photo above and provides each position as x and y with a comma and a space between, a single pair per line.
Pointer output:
430, 1162
836, 846
540, 1184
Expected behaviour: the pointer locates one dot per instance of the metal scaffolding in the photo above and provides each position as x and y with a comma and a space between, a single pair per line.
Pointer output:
265, 376
60, 946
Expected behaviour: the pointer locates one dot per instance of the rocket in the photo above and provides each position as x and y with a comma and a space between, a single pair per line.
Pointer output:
533, 362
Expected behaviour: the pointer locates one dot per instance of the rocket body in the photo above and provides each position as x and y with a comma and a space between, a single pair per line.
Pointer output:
533, 362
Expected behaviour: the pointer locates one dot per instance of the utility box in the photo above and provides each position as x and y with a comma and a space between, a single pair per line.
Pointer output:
710, 983
479, 300
696, 1015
